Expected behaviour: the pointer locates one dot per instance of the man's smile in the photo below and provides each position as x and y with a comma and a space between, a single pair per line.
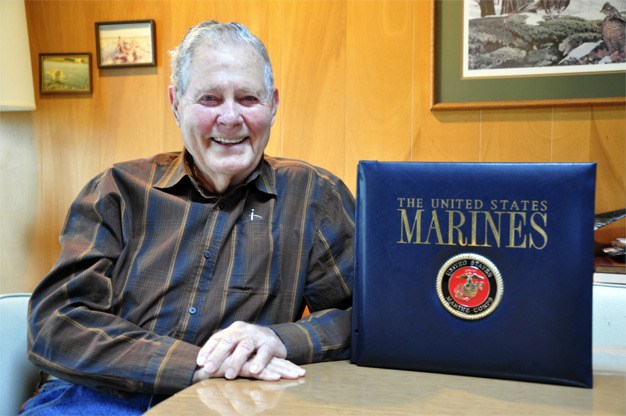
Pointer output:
223, 140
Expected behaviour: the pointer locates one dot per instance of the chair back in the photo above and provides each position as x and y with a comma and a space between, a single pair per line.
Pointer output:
18, 377
609, 326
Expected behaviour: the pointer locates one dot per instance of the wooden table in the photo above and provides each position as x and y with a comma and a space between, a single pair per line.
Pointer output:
341, 388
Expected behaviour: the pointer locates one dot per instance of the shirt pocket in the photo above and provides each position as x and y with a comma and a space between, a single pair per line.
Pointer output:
256, 247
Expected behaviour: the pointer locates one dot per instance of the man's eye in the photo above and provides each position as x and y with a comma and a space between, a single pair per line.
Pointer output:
208, 100
249, 99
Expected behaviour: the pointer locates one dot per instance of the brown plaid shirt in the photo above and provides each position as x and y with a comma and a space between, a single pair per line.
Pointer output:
151, 266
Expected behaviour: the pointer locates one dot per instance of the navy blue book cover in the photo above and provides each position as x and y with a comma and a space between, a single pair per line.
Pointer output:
481, 269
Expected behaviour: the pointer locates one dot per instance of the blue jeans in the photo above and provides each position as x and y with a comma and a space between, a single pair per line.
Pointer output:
62, 398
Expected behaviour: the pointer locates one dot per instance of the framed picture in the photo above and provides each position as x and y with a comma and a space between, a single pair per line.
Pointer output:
512, 53
65, 73
126, 44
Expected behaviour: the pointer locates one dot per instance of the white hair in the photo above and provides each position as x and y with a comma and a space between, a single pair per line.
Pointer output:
212, 31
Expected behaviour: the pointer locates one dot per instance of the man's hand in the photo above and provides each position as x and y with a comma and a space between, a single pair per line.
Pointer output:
276, 369
247, 350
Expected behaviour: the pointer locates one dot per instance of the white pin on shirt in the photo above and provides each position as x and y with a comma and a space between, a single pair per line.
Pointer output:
253, 215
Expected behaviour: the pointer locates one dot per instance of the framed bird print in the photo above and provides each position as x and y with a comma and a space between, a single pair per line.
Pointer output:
65, 73
528, 53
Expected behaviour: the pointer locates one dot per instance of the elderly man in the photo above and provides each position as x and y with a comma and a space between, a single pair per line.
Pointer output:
198, 264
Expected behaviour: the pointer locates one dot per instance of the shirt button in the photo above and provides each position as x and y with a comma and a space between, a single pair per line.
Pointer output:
192, 310
207, 254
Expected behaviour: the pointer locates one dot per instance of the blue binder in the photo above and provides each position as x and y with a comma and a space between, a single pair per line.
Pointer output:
481, 269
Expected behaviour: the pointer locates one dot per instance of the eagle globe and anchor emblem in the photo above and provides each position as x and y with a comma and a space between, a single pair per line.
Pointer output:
469, 286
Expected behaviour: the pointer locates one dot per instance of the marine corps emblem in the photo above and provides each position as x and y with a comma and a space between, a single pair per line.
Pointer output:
469, 286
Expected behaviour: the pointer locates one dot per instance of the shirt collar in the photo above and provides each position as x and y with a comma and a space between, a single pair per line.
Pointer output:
262, 177
266, 181
175, 173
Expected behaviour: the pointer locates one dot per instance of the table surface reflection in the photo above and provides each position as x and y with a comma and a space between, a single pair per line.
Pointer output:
341, 388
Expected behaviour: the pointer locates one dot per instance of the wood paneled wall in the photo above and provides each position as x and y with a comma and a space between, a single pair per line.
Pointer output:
354, 83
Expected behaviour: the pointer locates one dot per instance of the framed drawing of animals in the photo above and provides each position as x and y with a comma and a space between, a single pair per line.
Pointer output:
528, 53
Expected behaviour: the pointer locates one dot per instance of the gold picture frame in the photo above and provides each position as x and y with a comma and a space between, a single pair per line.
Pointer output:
129, 43
65, 73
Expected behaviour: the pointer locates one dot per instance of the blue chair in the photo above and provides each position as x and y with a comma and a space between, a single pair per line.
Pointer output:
18, 377
609, 325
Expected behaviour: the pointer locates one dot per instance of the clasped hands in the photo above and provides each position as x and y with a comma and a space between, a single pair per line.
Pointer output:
245, 350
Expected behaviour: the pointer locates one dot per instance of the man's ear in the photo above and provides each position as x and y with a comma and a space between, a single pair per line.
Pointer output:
173, 96
275, 101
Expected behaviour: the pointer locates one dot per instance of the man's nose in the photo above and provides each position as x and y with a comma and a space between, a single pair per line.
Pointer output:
230, 114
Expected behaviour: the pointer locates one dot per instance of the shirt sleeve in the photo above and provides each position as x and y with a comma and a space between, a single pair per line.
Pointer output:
74, 332
324, 335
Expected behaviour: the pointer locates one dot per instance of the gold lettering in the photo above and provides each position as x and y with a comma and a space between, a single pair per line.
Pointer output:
515, 229
458, 203
434, 225
410, 202
516, 224
540, 230
410, 230
462, 241
495, 229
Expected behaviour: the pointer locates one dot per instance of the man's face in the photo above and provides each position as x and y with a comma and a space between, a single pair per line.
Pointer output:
226, 114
